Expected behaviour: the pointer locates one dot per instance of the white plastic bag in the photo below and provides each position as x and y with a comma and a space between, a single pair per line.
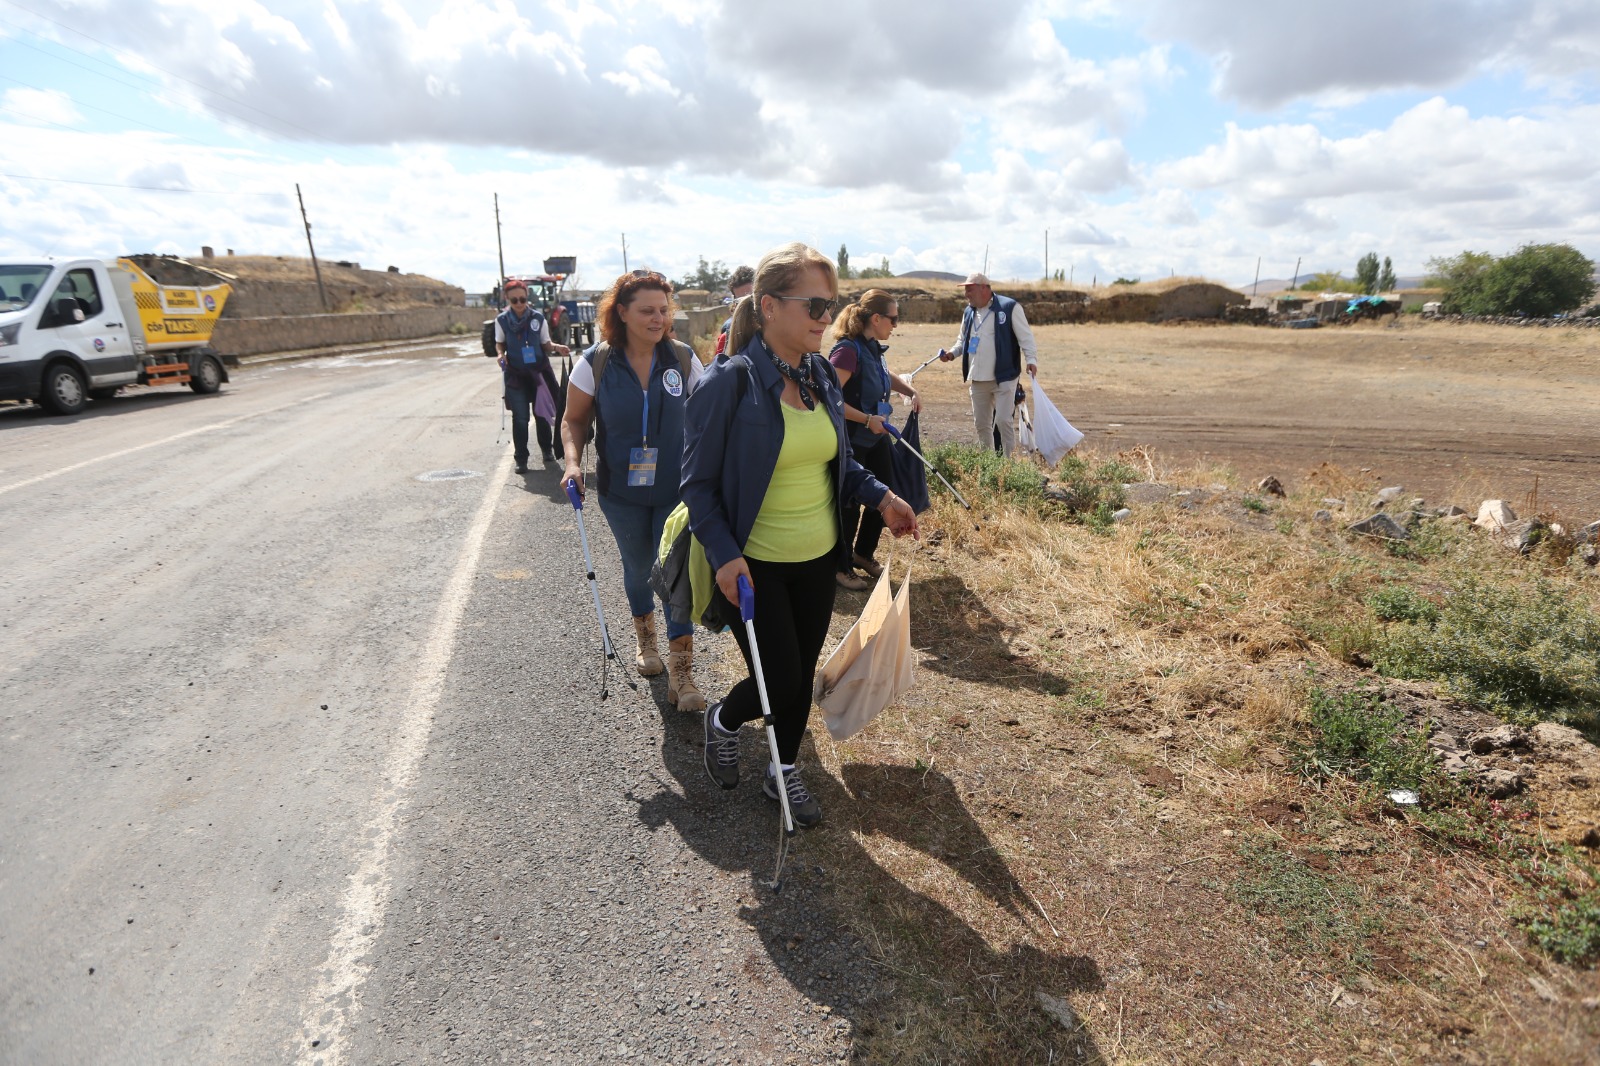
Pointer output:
1025, 441
1053, 435
872, 664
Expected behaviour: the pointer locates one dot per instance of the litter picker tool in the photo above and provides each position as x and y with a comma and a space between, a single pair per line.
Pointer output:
925, 363
594, 589
895, 433
747, 611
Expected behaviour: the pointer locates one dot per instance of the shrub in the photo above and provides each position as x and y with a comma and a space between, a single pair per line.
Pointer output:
1401, 603
1560, 907
1015, 481
1525, 652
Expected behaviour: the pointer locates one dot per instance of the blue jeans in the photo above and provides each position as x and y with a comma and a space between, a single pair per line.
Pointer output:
637, 529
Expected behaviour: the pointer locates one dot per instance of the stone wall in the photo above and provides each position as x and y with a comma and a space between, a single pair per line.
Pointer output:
255, 336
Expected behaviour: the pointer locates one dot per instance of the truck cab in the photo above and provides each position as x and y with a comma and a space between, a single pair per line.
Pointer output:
75, 329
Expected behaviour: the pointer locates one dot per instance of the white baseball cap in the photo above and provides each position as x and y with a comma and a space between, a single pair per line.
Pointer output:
976, 279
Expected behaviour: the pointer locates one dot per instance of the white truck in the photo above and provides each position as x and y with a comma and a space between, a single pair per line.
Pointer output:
72, 330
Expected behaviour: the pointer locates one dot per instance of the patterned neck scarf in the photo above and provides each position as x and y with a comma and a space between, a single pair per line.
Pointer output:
801, 375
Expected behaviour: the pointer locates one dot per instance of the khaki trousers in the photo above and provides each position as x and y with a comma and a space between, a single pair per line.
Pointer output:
994, 402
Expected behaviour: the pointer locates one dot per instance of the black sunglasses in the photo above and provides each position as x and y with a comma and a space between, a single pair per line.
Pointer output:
816, 306
517, 299
894, 320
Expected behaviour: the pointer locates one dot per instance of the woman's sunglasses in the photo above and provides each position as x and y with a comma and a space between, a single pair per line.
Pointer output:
894, 320
516, 299
816, 306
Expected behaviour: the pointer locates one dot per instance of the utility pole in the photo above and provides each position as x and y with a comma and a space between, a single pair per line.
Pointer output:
1295, 284
1047, 255
986, 260
499, 245
1256, 282
320, 290
624, 253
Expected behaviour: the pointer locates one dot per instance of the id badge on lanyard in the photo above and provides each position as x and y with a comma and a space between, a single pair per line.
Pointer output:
642, 461
530, 355
972, 338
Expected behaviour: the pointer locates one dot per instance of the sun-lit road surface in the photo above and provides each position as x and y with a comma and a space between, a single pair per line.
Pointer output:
302, 760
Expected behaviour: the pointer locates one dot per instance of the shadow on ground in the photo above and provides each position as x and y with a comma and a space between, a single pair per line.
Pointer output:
964, 640
915, 981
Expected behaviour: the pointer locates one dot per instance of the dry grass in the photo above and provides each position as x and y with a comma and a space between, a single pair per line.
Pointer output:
1088, 785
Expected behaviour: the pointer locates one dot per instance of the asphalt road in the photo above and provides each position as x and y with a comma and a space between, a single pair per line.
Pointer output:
303, 759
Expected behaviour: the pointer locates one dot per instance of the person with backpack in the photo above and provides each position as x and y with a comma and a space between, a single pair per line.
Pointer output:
866, 382
768, 480
522, 341
632, 386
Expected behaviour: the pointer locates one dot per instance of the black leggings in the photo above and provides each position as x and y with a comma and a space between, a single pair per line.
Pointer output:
794, 605
880, 462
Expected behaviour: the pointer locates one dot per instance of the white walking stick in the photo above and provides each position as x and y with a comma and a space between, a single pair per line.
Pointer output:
747, 611
594, 588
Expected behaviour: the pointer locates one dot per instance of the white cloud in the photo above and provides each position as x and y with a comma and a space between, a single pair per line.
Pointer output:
1266, 57
40, 106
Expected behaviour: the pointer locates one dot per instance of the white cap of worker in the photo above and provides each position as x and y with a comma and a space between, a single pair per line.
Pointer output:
976, 279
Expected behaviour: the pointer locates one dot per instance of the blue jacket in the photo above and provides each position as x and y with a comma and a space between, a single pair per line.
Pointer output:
731, 444
519, 336
867, 388
1007, 353
619, 425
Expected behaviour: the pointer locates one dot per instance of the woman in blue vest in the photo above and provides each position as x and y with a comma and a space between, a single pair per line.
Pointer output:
768, 478
522, 339
637, 405
866, 382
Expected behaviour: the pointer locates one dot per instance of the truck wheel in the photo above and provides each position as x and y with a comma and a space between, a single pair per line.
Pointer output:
488, 339
561, 332
64, 392
205, 378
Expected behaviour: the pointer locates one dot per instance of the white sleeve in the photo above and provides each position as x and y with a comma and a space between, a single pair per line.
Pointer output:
696, 369
499, 332
582, 377
544, 330
1019, 326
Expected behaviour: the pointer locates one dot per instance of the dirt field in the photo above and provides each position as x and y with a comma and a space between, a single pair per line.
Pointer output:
1454, 413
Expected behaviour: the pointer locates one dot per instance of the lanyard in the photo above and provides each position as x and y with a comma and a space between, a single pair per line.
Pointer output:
644, 430
978, 321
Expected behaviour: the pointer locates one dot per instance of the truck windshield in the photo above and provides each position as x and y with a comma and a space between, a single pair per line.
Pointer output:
20, 283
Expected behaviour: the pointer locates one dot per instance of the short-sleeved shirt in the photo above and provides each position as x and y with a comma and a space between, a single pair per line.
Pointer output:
582, 377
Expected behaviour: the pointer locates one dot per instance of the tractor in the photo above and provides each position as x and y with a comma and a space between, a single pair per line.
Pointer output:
571, 320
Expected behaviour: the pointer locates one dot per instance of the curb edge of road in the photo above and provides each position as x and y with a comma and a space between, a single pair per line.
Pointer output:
303, 354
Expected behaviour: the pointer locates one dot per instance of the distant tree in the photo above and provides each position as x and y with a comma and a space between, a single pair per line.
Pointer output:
1537, 280
712, 277
1367, 273
844, 262
1326, 281
1119, 281
1386, 279
880, 271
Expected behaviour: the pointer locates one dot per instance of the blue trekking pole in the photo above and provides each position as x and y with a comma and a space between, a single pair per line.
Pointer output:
594, 587
747, 611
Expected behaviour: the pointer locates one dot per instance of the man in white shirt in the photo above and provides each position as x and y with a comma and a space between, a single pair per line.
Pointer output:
994, 343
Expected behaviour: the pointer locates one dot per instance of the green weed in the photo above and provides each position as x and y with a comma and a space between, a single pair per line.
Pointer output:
1525, 652
1254, 503
1560, 906
1401, 603
1013, 480
1359, 735
1322, 914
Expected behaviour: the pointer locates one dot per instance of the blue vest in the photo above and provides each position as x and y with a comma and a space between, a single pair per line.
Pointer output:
520, 336
1007, 354
619, 426
874, 378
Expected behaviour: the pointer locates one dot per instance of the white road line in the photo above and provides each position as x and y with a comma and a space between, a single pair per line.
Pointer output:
328, 1010
154, 444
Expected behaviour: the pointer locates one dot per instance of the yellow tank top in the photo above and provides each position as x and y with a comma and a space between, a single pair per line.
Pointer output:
796, 522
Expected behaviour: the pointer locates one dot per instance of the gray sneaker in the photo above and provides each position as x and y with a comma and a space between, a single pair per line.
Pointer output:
722, 750
806, 811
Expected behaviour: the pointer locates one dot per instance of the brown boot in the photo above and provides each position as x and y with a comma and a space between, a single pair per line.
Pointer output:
682, 692
647, 659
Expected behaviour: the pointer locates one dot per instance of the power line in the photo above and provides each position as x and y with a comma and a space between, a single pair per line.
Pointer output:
79, 103
144, 188
41, 118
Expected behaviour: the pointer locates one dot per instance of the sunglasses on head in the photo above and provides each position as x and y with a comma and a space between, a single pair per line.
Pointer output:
816, 306
643, 273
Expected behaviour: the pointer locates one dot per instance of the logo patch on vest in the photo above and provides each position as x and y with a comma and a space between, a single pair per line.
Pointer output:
1002, 318
672, 381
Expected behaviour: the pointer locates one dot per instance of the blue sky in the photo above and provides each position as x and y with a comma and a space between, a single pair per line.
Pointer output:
1148, 136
